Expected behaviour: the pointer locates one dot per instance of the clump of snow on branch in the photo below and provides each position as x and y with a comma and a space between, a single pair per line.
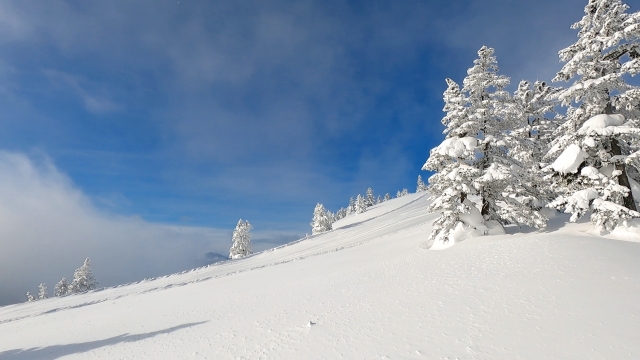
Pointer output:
570, 159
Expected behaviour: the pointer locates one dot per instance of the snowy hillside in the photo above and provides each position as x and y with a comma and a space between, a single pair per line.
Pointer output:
365, 290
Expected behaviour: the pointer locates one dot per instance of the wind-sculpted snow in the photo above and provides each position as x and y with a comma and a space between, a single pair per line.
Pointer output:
365, 290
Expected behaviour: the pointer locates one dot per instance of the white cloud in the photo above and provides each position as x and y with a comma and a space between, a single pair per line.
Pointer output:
47, 228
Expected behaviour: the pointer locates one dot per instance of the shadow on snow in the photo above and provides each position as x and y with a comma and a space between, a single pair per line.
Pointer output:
57, 351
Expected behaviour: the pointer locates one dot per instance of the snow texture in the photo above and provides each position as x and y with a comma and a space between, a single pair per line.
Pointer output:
363, 291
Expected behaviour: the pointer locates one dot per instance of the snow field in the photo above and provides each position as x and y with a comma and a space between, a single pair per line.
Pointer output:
371, 292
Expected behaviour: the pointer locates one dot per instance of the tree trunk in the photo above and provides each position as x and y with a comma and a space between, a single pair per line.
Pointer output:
483, 165
623, 179
485, 208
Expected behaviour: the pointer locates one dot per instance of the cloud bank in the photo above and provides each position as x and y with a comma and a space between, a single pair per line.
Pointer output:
48, 227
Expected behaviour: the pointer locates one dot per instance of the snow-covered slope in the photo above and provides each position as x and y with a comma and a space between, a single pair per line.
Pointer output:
366, 290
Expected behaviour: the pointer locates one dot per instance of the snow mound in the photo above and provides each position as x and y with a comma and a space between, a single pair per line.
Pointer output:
570, 160
629, 231
470, 225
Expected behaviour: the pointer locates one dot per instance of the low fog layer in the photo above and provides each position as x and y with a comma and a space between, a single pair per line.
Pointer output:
48, 227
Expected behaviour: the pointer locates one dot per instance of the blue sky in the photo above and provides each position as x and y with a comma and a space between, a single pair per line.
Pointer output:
193, 114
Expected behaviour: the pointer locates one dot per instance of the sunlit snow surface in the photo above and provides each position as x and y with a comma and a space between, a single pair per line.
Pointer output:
366, 290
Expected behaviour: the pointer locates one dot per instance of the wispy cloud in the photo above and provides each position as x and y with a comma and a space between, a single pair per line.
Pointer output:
93, 102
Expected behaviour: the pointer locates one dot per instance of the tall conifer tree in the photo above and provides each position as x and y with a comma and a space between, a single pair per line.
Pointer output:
596, 149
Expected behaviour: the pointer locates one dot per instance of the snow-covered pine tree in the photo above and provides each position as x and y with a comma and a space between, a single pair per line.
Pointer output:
475, 158
404, 192
398, 194
30, 297
61, 288
454, 164
530, 114
83, 279
421, 186
596, 149
322, 220
340, 214
352, 206
370, 200
241, 240
378, 200
42, 291
361, 205
387, 197
501, 180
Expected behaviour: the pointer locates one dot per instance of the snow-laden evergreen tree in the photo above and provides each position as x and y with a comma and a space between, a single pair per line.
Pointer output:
401, 193
30, 297
241, 240
61, 288
378, 200
421, 186
341, 214
454, 164
530, 112
488, 121
322, 220
486, 98
387, 197
352, 206
491, 122
83, 279
596, 150
475, 157
370, 200
360, 204
42, 291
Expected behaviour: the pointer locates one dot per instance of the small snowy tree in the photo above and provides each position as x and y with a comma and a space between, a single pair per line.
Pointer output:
351, 209
42, 291
241, 240
378, 200
401, 193
370, 200
30, 297
61, 288
421, 186
361, 205
341, 214
594, 149
83, 279
387, 197
322, 220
